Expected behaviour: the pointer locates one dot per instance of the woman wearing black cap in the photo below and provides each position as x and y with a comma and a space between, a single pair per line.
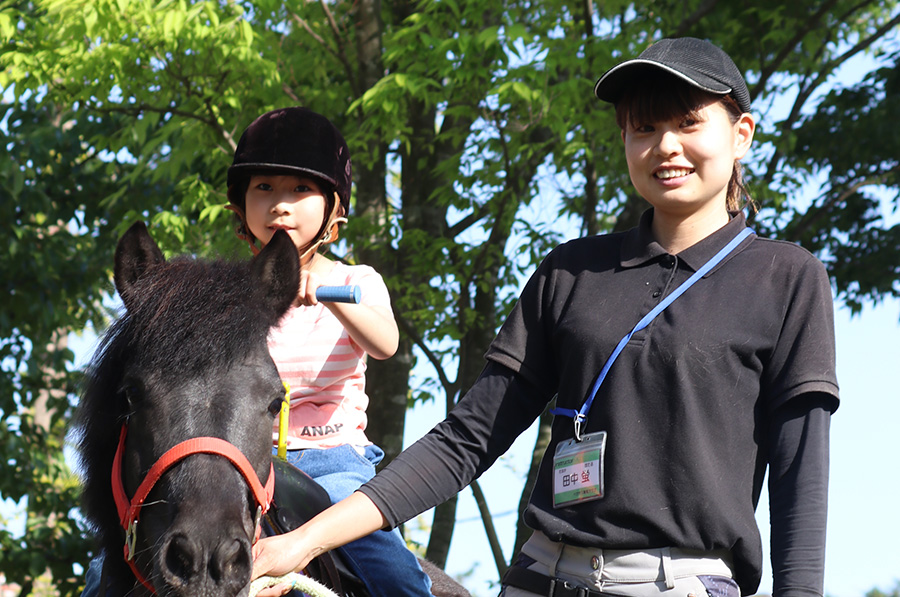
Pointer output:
687, 356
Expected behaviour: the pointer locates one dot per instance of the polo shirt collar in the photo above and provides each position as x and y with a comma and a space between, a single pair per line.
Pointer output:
639, 246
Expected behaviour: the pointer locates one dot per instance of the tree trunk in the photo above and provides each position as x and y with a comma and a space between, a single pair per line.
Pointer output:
43, 411
387, 381
442, 532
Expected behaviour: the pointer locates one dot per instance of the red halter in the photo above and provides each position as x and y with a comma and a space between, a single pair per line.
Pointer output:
130, 511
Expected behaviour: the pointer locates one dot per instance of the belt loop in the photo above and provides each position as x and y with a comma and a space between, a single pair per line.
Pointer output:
667, 567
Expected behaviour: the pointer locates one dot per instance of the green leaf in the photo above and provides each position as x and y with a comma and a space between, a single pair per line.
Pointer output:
522, 90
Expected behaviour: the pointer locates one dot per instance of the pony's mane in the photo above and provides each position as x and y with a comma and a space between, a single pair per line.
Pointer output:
189, 315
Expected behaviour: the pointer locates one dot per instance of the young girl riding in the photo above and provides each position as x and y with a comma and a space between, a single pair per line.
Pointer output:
291, 171
688, 357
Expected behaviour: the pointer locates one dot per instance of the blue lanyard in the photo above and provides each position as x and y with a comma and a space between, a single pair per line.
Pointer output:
580, 416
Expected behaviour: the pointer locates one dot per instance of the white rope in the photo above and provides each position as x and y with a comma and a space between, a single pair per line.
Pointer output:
297, 581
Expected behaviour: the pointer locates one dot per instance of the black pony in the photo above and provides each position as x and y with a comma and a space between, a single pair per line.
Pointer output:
189, 360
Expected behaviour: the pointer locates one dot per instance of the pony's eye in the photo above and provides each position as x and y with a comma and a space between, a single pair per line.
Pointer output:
132, 394
275, 406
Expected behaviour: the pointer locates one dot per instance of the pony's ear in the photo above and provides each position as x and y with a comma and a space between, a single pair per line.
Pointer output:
276, 273
136, 253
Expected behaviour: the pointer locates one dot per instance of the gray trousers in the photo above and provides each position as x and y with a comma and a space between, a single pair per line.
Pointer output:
666, 572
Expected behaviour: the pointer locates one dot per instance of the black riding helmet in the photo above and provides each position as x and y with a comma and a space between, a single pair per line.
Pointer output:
296, 141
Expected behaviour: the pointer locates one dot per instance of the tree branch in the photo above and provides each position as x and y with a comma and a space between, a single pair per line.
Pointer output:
336, 32
450, 388
807, 90
815, 213
787, 49
338, 53
695, 17
489, 528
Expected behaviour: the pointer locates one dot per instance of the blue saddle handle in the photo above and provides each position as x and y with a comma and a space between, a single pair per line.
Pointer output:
339, 294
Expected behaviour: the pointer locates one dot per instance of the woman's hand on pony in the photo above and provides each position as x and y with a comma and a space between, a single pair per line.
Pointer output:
274, 556
346, 521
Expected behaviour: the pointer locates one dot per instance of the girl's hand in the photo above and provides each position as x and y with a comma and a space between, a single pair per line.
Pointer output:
309, 283
373, 328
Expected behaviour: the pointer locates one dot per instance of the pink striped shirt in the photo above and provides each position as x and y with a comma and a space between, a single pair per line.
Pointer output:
325, 368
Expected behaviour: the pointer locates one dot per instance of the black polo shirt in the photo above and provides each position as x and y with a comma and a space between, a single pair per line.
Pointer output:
685, 405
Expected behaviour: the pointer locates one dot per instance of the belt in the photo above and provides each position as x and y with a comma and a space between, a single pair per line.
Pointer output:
535, 582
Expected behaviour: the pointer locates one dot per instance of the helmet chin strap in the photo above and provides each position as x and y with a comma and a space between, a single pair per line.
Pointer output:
330, 233
242, 232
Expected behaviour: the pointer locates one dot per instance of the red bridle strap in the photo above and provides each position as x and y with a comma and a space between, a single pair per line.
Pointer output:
130, 510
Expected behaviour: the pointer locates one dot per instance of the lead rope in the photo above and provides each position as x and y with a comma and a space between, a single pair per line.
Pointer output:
297, 581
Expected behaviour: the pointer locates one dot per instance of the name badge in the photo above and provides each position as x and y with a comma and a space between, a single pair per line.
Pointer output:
578, 470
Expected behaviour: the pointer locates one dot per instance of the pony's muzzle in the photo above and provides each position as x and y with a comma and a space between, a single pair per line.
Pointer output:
219, 564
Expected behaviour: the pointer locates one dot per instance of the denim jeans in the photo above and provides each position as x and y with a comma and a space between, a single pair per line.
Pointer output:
381, 560
92, 577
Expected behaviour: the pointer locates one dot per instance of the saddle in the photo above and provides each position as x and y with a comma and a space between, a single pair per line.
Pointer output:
298, 498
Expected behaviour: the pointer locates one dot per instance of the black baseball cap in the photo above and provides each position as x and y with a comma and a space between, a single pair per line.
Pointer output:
695, 61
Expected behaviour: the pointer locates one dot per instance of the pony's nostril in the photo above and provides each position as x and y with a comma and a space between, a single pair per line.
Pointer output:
214, 564
181, 559
231, 562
